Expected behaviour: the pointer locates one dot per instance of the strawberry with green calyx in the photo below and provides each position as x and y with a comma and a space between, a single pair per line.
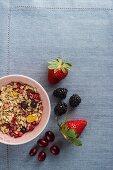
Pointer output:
57, 70
72, 129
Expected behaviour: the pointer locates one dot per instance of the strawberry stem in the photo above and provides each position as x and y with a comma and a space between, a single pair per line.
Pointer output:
57, 121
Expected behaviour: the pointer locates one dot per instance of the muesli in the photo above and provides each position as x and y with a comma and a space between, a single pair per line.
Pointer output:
20, 109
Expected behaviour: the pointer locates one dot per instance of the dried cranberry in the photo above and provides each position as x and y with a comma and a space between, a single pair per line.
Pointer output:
14, 128
20, 91
23, 113
33, 151
30, 91
54, 150
42, 142
14, 119
18, 84
31, 127
15, 135
49, 135
42, 156
35, 123
20, 134
10, 131
19, 105
11, 134
36, 96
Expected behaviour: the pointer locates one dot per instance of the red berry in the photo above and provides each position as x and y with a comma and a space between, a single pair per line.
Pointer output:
36, 96
50, 136
42, 156
51, 77
57, 70
42, 142
15, 135
10, 130
60, 74
20, 134
14, 128
20, 91
7, 125
35, 123
11, 134
18, 85
31, 127
33, 151
54, 150
11, 126
14, 119
30, 91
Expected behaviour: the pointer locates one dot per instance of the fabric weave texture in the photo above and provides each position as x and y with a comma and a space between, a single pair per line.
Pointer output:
33, 32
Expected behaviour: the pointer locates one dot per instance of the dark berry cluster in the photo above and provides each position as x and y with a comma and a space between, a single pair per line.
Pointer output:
74, 100
44, 142
61, 107
60, 93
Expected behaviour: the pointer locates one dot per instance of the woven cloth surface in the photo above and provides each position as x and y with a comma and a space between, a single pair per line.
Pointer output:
33, 32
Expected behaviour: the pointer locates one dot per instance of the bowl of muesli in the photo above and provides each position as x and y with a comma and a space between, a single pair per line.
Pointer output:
24, 109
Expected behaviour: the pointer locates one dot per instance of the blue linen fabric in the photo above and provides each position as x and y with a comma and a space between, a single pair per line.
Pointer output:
33, 32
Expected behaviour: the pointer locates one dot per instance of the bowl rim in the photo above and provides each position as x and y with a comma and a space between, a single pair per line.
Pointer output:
49, 112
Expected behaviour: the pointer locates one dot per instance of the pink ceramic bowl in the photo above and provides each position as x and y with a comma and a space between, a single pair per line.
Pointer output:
45, 115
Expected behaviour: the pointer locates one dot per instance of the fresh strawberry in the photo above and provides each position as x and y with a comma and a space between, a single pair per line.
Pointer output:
72, 129
60, 74
57, 70
51, 77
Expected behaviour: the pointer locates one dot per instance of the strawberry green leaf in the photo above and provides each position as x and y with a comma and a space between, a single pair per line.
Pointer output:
75, 141
59, 60
55, 64
67, 66
52, 67
64, 129
71, 133
52, 61
64, 70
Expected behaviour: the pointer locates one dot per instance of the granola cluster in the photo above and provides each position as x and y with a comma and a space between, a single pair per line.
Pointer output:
20, 109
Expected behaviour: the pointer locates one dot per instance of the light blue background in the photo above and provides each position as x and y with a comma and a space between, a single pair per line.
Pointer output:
31, 33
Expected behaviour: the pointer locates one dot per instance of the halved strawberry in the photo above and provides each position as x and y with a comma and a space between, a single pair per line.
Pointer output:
72, 129
57, 70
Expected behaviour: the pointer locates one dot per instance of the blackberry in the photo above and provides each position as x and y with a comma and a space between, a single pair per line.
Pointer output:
24, 105
23, 129
33, 104
60, 108
74, 100
60, 93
